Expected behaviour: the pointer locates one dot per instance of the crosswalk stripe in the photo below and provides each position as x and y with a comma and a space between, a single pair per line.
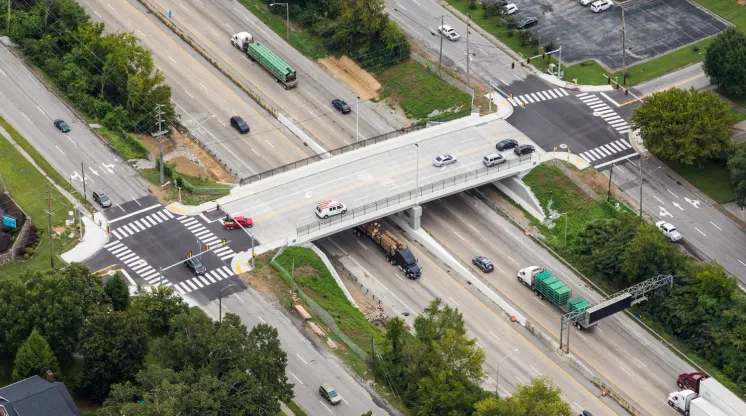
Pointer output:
132, 261
113, 243
526, 98
582, 155
195, 226
152, 279
116, 234
551, 92
151, 221
604, 152
143, 225
564, 92
228, 270
618, 123
178, 289
140, 267
596, 155
223, 249
624, 144
127, 256
162, 215
202, 278
582, 94
612, 118
190, 220
202, 232
224, 274
210, 239
513, 102
623, 131
148, 274
209, 277
535, 95
616, 147
186, 287
609, 149
227, 256
119, 250
170, 215
189, 282
593, 100
197, 282
604, 112
599, 106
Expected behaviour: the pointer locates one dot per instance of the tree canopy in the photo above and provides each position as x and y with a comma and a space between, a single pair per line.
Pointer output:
118, 292
725, 61
35, 357
158, 305
539, 398
737, 169
685, 126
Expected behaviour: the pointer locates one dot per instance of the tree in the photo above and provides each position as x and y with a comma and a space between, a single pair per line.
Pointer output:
88, 286
34, 357
600, 243
649, 254
158, 306
539, 398
688, 127
113, 345
119, 293
737, 169
725, 61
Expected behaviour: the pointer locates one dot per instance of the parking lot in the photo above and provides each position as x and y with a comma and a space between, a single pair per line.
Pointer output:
654, 27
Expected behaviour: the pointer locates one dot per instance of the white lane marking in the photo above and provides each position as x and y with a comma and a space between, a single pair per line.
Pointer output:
625, 370
398, 277
580, 335
263, 321
416, 2
700, 231
669, 191
459, 236
384, 286
229, 27
716, 226
59, 149
172, 59
140, 32
330, 410
135, 213
189, 94
257, 153
519, 379
491, 333
203, 87
659, 200
469, 139
453, 301
99, 16
609, 98
344, 400
24, 114
362, 245
474, 228
532, 367
184, 7
359, 199
216, 33
739, 260
401, 7
111, 7
273, 146
239, 298
42, 111
641, 363
511, 259
301, 358
296, 377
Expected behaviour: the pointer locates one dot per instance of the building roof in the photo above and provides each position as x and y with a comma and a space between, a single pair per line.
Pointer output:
36, 396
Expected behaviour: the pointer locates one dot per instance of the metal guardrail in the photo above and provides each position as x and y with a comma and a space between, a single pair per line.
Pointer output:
409, 195
334, 152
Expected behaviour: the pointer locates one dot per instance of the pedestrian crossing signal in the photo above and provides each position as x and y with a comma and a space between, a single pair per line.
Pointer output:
107, 229
512, 65
207, 247
190, 254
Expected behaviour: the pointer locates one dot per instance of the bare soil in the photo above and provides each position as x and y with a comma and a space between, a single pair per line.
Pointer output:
349, 72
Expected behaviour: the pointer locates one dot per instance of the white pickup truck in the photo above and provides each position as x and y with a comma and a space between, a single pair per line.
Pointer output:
669, 231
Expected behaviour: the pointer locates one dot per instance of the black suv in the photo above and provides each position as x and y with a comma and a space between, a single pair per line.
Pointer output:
341, 106
195, 266
523, 149
506, 144
527, 22
483, 263
240, 125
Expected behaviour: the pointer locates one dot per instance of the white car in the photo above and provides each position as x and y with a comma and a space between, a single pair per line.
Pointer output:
601, 5
329, 208
511, 8
586, 2
443, 160
669, 231
449, 32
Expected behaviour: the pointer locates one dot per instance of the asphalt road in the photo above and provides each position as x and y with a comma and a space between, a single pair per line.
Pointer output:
618, 349
213, 22
521, 355
31, 109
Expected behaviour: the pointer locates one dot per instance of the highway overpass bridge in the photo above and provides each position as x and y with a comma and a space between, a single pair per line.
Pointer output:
376, 181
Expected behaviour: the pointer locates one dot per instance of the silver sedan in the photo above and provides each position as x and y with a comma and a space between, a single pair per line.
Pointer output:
443, 160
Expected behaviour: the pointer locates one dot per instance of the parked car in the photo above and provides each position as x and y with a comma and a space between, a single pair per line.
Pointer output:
327, 392
195, 266
449, 32
102, 199
483, 263
443, 160
527, 22
601, 5
669, 231
60, 124
341, 106
523, 149
240, 125
506, 144
511, 8
237, 222
586, 2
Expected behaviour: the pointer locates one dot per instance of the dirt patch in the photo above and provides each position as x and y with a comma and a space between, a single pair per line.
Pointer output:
741, 2
349, 72
305, 271
207, 167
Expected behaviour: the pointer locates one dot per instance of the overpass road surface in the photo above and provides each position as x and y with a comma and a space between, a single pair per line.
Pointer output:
618, 350
283, 203
213, 22
495, 334
31, 109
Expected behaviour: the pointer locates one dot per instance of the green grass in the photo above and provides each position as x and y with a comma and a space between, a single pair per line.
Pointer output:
317, 282
712, 178
27, 186
125, 144
295, 408
419, 92
738, 114
154, 176
549, 183
300, 39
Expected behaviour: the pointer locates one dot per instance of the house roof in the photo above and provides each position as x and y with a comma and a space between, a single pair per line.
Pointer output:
36, 396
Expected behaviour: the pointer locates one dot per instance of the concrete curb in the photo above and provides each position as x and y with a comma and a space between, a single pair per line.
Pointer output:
182, 209
504, 109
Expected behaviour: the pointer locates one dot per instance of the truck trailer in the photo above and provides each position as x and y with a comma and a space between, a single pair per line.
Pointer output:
396, 252
690, 404
710, 390
256, 51
547, 286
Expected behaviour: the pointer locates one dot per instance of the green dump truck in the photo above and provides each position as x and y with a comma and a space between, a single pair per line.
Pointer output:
549, 287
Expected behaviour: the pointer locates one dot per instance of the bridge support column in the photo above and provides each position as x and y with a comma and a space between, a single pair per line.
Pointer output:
415, 215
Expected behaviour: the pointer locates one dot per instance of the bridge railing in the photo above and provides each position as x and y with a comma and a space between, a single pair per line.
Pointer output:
411, 194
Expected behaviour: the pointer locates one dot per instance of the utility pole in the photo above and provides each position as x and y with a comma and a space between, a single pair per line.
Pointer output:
641, 187
357, 118
82, 172
80, 221
559, 69
611, 172
467, 52
49, 214
624, 50
157, 135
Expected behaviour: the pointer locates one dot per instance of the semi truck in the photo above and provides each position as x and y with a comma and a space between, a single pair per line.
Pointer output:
690, 404
396, 252
256, 51
547, 286
710, 391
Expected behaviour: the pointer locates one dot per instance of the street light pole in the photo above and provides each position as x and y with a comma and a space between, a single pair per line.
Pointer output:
417, 173
287, 18
565, 214
203, 122
357, 118
497, 374
220, 317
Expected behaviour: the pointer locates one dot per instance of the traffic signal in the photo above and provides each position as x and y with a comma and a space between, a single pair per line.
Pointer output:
512, 65
107, 229
511, 95
608, 80
626, 91
528, 60
618, 86
207, 247
190, 254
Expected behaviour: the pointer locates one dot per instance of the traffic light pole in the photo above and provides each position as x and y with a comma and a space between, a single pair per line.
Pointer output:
250, 234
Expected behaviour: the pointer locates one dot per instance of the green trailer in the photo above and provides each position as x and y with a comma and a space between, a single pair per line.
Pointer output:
283, 72
549, 287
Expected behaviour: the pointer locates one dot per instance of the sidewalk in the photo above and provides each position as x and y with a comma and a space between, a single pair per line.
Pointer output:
504, 108
94, 238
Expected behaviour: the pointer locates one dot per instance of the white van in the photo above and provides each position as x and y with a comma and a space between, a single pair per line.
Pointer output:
329, 208
493, 159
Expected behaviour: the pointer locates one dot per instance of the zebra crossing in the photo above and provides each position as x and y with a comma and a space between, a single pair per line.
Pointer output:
604, 151
135, 263
206, 236
198, 282
602, 110
534, 97
141, 224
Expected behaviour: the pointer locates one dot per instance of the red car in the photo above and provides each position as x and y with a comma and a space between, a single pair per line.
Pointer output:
238, 222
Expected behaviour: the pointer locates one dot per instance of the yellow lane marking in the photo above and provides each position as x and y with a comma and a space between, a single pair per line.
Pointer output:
177, 209
663, 89
107, 267
238, 267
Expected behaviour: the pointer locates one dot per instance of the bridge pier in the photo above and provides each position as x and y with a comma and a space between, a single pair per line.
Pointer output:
414, 215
